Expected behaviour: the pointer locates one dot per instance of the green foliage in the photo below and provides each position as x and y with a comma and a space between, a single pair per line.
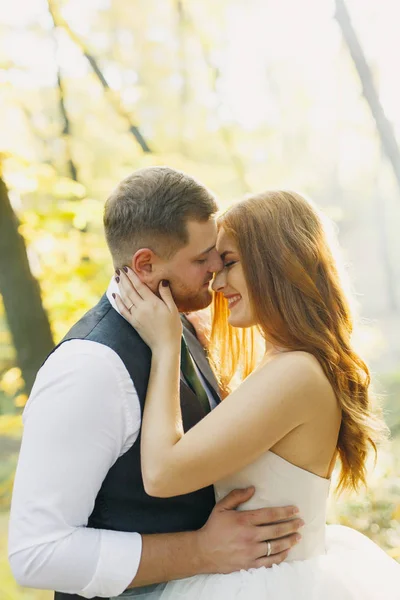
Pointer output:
375, 511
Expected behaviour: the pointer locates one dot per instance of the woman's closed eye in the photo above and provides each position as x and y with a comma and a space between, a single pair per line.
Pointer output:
230, 264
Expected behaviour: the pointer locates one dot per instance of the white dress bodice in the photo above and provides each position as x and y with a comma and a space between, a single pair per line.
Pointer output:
331, 562
280, 483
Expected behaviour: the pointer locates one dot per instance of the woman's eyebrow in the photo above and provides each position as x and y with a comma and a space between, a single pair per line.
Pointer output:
225, 253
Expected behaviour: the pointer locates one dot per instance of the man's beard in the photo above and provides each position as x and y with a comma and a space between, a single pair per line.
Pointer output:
191, 303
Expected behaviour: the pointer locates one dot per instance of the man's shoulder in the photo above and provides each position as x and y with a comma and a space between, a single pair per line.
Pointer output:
80, 347
90, 320
81, 356
104, 325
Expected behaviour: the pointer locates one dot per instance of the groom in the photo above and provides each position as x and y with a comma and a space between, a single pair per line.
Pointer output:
81, 521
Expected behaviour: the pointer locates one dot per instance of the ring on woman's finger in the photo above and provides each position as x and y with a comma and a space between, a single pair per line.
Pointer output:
269, 549
129, 309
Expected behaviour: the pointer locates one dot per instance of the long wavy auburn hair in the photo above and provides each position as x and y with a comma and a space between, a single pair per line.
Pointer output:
299, 303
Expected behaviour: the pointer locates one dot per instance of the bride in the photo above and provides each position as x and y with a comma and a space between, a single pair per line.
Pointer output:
304, 406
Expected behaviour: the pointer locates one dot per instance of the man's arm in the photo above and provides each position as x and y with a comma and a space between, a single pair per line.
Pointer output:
230, 540
75, 429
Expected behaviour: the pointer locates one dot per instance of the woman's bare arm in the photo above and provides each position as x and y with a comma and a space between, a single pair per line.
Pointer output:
272, 402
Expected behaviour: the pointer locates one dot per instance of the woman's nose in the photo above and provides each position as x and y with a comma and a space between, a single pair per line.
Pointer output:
219, 282
216, 263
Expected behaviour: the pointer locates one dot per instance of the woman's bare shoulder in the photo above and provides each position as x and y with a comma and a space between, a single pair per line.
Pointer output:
300, 373
299, 361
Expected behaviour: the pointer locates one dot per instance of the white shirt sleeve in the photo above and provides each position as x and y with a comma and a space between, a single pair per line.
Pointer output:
82, 415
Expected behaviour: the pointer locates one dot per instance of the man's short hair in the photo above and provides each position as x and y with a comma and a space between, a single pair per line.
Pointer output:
150, 209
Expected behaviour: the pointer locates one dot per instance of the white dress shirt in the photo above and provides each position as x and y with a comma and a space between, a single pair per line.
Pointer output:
82, 415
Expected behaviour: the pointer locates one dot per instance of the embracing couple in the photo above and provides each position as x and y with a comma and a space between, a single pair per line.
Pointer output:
141, 473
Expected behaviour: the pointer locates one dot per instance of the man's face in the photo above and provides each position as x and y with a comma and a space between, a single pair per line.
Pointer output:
191, 269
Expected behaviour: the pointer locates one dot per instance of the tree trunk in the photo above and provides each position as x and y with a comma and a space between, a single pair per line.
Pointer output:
226, 133
384, 127
66, 123
66, 132
114, 98
27, 319
183, 70
380, 205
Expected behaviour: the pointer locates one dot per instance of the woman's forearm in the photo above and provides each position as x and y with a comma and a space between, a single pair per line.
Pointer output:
162, 419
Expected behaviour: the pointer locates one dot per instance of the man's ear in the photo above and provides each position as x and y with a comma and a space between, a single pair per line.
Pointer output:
143, 264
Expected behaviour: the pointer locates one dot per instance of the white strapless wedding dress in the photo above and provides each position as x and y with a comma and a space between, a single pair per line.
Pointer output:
330, 562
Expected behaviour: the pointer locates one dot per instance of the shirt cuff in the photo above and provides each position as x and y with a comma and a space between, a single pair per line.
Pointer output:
119, 559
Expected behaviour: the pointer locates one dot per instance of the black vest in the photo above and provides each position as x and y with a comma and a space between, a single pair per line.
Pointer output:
122, 503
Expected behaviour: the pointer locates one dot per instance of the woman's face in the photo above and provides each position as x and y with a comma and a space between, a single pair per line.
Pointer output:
231, 283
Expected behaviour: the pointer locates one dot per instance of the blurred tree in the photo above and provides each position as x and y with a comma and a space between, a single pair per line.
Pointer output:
66, 130
183, 72
58, 20
225, 130
384, 127
27, 319
381, 224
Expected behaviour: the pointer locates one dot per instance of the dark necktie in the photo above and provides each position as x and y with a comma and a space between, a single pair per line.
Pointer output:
192, 378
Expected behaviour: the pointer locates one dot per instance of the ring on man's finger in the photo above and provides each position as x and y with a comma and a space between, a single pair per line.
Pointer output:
129, 309
269, 549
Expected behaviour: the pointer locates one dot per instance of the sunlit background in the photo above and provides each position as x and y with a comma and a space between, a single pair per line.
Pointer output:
243, 94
